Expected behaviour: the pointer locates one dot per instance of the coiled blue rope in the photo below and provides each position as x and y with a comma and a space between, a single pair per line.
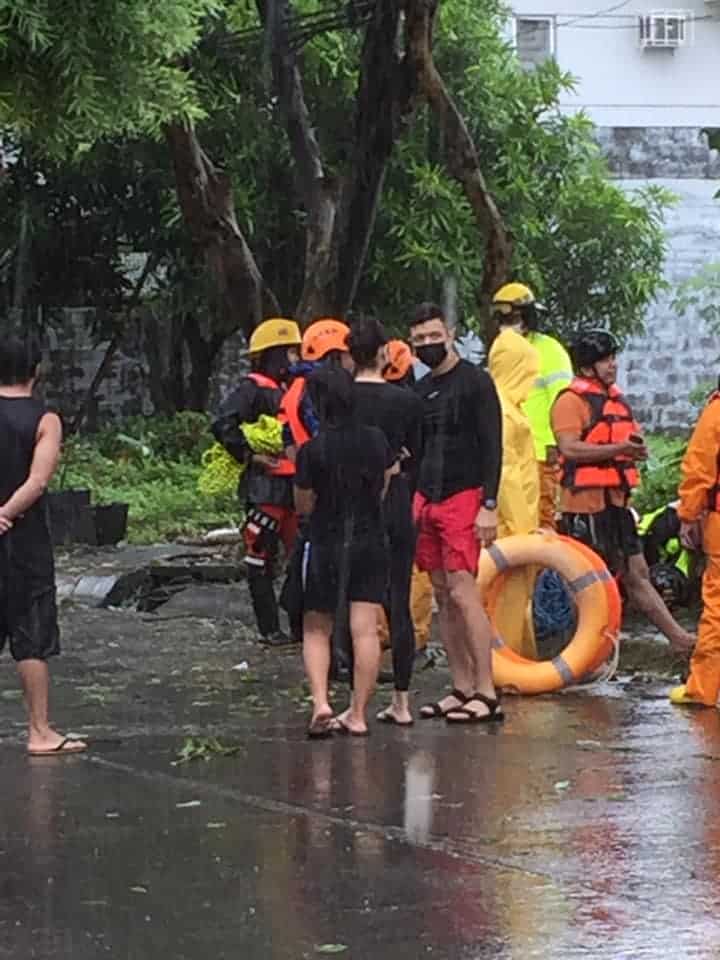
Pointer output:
553, 610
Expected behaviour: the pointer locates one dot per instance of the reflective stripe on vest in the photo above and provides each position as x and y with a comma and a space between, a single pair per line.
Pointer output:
611, 421
290, 412
285, 467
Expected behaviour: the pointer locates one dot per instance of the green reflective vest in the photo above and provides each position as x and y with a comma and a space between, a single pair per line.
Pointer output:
555, 375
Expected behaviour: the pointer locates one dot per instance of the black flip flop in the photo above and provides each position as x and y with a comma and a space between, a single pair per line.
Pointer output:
320, 729
495, 714
59, 750
386, 717
438, 712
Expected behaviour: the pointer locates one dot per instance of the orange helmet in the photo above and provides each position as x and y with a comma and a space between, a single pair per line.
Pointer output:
322, 336
399, 360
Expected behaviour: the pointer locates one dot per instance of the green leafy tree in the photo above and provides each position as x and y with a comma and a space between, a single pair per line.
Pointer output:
72, 72
592, 251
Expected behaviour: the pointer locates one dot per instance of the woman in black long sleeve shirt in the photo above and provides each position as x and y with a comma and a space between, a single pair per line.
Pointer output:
398, 413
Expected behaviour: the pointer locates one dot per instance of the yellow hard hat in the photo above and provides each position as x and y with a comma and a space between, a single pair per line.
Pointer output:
512, 296
278, 332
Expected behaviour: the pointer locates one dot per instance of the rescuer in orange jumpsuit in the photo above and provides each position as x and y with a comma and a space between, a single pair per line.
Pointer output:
699, 513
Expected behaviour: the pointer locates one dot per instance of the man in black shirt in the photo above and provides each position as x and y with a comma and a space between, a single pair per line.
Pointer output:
455, 509
30, 438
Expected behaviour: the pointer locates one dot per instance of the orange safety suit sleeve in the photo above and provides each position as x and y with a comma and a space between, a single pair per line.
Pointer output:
700, 465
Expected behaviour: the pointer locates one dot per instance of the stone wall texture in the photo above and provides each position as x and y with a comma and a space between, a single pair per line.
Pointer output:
676, 354
653, 153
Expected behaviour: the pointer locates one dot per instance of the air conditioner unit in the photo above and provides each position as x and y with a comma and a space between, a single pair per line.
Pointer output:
663, 30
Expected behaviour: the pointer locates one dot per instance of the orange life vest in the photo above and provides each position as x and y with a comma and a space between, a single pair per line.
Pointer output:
611, 421
290, 411
285, 467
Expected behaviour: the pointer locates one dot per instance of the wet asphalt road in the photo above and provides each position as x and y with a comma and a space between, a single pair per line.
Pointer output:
588, 826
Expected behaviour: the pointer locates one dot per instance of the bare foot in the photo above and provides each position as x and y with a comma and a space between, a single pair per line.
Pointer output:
323, 712
349, 723
53, 744
321, 724
400, 716
684, 643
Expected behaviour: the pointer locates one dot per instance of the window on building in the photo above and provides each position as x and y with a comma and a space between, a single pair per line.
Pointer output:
534, 40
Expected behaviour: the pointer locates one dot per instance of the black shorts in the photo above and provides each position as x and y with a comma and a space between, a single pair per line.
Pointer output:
612, 533
28, 619
332, 576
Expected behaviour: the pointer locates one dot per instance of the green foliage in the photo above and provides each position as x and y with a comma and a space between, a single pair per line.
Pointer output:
203, 748
660, 473
594, 253
153, 464
75, 71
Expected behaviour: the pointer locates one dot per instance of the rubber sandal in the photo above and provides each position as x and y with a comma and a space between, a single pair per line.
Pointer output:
320, 729
61, 750
347, 732
495, 714
438, 712
385, 716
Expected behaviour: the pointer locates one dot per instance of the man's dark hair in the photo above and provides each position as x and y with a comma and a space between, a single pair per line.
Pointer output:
332, 394
19, 359
367, 335
424, 312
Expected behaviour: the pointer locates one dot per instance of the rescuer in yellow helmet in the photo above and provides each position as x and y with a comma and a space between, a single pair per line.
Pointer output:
515, 306
267, 483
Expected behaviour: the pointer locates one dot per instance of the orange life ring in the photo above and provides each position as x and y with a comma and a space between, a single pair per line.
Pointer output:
594, 591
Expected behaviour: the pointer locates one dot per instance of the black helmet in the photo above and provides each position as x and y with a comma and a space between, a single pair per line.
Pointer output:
671, 583
593, 346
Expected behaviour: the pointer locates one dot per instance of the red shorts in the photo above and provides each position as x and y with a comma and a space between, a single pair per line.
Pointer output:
446, 532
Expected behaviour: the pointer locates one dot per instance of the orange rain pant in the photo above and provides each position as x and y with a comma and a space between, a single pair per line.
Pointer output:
548, 494
704, 680
700, 475
421, 598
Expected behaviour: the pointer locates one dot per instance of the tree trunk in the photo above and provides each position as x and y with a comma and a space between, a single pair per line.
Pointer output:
202, 354
163, 346
204, 192
22, 258
341, 214
461, 156
112, 348
385, 101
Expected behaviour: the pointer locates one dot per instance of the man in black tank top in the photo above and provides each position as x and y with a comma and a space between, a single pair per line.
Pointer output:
30, 439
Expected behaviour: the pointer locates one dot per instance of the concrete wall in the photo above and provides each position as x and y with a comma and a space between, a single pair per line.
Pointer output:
622, 85
676, 354
73, 357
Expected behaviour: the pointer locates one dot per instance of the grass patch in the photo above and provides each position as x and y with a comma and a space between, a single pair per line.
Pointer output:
153, 464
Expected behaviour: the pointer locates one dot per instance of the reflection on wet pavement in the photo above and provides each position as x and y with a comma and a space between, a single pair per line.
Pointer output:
588, 827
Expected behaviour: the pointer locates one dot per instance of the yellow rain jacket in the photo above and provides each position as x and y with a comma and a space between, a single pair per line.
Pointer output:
513, 365
554, 375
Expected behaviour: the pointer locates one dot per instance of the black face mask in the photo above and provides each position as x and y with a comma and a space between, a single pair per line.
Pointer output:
432, 354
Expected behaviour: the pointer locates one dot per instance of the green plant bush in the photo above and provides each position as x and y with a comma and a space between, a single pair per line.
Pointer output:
660, 473
153, 464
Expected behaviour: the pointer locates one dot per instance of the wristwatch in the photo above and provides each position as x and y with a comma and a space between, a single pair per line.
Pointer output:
490, 504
